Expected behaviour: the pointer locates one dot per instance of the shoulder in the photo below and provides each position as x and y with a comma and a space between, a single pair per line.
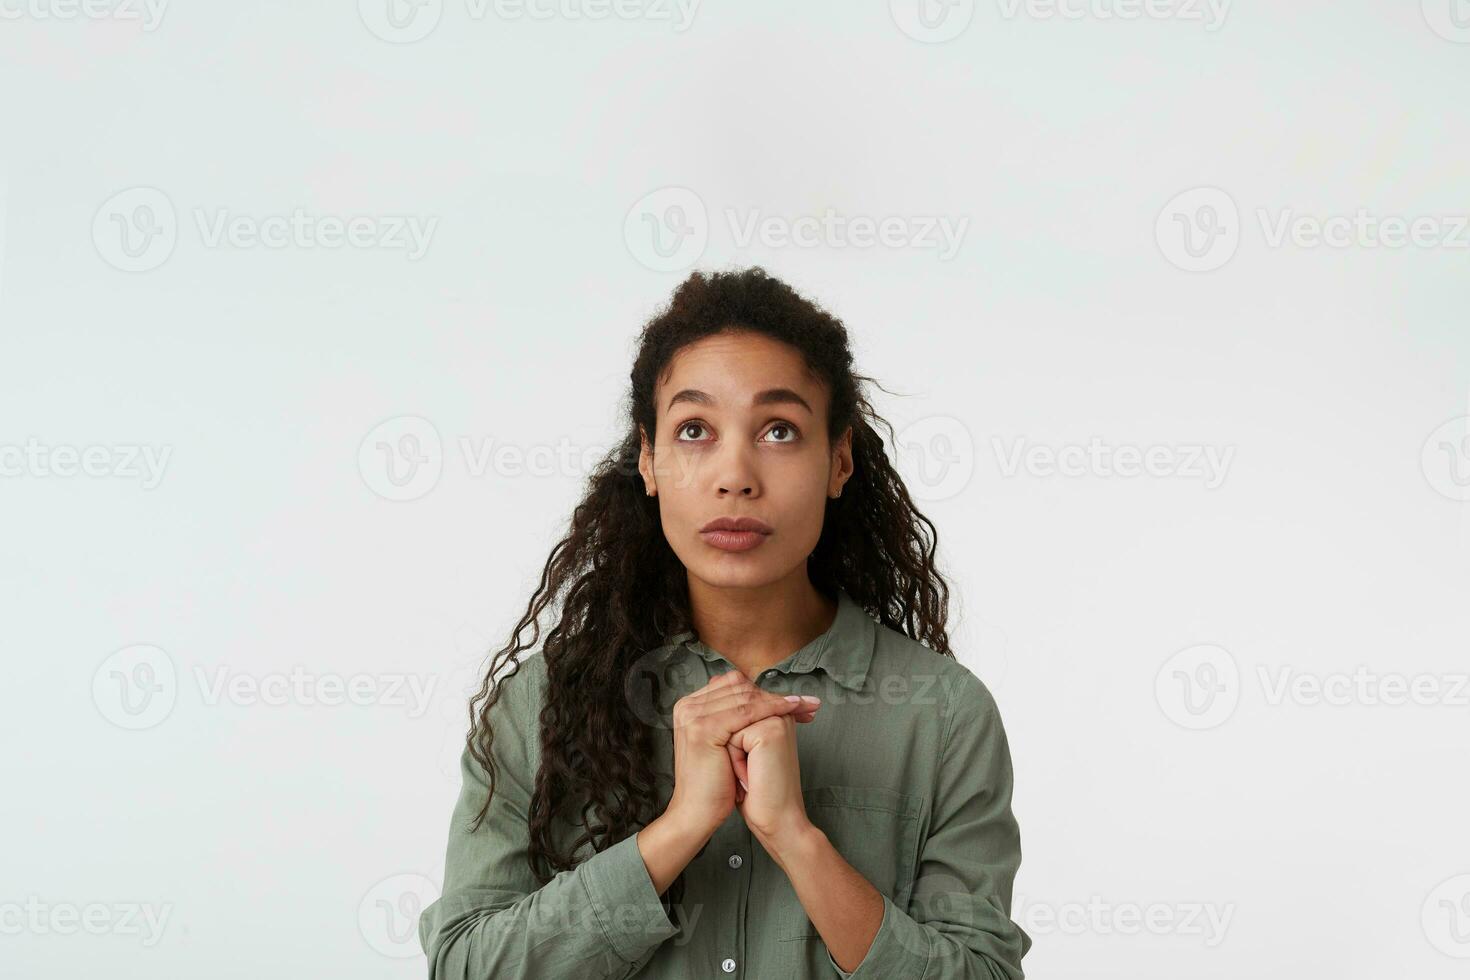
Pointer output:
960, 692
521, 688
514, 717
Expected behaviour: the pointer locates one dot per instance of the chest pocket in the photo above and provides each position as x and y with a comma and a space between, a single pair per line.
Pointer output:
875, 829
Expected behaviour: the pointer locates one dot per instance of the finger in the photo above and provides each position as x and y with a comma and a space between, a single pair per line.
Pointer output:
726, 699
740, 765
736, 701
740, 712
718, 686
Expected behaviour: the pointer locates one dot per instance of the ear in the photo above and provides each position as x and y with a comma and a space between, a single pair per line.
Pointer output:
842, 465
645, 462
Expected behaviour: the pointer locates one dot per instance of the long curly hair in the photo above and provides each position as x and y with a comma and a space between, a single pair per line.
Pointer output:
622, 590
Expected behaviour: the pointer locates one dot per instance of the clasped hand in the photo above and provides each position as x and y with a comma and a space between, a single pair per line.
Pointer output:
735, 747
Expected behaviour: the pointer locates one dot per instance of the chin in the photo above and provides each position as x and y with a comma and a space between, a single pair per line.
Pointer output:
735, 571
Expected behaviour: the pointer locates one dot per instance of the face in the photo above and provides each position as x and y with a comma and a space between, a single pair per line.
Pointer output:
742, 433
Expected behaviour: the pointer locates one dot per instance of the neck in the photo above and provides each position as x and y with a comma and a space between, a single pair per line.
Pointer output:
757, 627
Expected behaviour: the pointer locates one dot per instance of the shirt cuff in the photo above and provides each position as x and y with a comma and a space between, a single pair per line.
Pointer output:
624, 901
899, 951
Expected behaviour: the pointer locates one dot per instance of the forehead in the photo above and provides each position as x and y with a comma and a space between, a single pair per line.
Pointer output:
732, 367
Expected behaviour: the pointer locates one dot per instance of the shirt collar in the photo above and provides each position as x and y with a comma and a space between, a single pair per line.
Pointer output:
845, 651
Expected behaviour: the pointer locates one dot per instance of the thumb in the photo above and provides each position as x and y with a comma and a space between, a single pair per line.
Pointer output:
738, 763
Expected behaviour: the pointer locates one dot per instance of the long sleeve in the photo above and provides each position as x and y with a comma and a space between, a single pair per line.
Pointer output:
957, 925
602, 920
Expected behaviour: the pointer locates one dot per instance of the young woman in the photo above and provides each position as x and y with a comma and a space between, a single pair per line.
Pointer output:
745, 749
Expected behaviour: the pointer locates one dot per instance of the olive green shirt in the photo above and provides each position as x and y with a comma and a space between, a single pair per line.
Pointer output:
906, 770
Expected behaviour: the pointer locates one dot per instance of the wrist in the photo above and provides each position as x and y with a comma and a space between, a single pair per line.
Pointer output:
796, 845
696, 828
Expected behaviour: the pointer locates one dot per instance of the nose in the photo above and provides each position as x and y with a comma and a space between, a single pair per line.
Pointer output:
738, 475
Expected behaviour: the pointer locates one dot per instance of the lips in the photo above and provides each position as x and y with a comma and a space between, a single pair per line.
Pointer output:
737, 524
735, 533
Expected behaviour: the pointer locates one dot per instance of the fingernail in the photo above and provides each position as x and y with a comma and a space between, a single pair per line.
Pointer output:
743, 786
811, 697
793, 697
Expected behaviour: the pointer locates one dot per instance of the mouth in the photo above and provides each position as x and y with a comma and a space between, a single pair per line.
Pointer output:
735, 533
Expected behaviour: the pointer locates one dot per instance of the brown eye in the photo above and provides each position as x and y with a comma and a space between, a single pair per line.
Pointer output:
684, 429
783, 427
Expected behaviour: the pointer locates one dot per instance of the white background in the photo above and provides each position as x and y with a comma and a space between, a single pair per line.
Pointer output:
1182, 813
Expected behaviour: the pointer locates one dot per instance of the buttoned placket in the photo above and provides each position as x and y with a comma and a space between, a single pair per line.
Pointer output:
737, 855
736, 860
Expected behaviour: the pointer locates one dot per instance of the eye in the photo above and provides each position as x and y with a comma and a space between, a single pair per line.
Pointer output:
685, 427
787, 427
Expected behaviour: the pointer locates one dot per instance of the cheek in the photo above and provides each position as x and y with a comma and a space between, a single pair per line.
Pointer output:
800, 509
677, 510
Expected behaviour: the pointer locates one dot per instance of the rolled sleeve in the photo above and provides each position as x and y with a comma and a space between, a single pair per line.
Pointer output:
630, 911
494, 917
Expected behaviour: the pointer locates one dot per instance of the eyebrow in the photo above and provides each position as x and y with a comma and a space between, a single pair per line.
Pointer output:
770, 396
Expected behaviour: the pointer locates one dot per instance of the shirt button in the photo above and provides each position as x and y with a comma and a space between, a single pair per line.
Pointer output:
728, 966
735, 861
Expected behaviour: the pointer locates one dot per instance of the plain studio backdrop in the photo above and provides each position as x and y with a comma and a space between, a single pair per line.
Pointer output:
313, 317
